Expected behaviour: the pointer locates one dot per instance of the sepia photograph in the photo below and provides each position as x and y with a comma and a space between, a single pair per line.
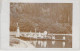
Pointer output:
40, 25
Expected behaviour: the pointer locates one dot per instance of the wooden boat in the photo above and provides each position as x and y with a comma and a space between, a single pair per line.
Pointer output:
42, 39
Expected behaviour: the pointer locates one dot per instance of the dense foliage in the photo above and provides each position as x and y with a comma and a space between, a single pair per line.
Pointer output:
51, 17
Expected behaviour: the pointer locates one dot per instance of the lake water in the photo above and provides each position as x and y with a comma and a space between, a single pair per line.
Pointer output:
48, 43
51, 44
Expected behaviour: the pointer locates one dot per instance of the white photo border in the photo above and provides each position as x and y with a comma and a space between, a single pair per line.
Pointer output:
5, 22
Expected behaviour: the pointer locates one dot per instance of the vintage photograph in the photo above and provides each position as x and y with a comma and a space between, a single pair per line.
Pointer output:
41, 25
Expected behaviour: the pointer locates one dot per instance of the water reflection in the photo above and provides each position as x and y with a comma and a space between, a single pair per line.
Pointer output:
34, 43
53, 42
38, 42
48, 44
45, 43
41, 43
63, 44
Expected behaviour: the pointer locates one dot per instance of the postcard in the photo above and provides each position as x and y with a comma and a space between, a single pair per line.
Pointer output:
40, 24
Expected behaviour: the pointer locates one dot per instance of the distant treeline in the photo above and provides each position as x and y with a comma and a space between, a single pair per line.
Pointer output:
51, 17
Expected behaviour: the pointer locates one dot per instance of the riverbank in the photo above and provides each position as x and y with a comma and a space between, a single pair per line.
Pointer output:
18, 43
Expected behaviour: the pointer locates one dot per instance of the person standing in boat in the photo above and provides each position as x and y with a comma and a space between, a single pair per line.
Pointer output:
45, 33
18, 31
